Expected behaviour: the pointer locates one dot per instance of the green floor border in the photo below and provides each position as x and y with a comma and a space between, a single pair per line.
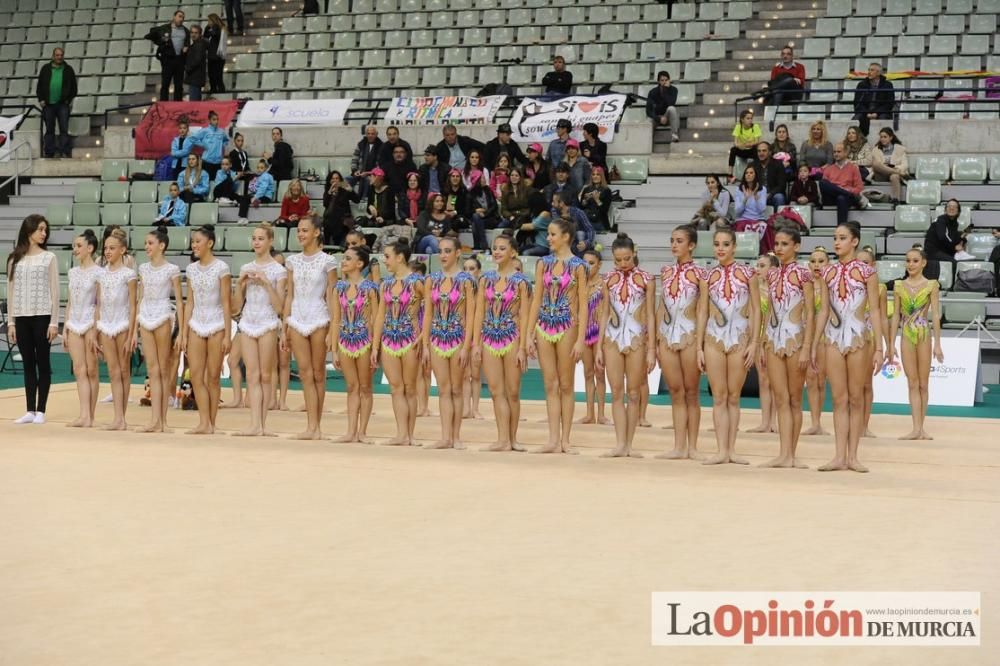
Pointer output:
532, 388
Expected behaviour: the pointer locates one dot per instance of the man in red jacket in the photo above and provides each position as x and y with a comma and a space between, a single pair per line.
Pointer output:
788, 79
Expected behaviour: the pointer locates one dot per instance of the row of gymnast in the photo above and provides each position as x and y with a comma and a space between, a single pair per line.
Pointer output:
720, 321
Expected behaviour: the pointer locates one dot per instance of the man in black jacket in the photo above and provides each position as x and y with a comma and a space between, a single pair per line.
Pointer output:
385, 153
365, 159
55, 91
397, 170
503, 144
873, 98
661, 105
433, 174
559, 81
454, 149
172, 41
279, 161
771, 173
195, 64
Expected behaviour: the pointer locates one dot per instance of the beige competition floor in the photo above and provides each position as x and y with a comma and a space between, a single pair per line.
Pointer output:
120, 548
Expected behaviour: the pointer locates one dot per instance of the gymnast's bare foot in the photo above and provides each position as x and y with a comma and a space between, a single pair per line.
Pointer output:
780, 461
308, 434
925, 435
117, 425
604, 420
234, 404
520, 448
440, 444
674, 454
78, 423
201, 430
152, 427
497, 446
834, 465
815, 430
617, 452
268, 433
856, 465
761, 428
568, 449
549, 448
643, 423
869, 434
253, 432
586, 420
913, 434
349, 438
397, 441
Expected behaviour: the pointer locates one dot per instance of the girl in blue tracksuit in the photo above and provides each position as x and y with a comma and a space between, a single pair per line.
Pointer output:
262, 186
213, 140
173, 210
193, 181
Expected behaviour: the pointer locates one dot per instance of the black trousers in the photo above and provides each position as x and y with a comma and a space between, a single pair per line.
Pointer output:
210, 168
172, 70
234, 8
865, 123
215, 82
33, 341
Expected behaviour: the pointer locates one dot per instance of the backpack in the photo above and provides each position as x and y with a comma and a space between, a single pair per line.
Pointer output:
164, 169
974, 279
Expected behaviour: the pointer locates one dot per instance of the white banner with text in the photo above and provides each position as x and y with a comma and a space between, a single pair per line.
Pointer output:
293, 112
952, 383
443, 110
535, 119
7, 127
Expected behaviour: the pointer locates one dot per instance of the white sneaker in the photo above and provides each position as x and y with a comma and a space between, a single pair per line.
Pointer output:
29, 417
223, 201
863, 201
962, 255
39, 418
243, 221
108, 398
674, 138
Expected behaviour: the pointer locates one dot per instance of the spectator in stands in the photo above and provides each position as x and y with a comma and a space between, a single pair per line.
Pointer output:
805, 191
783, 144
482, 213
595, 201
216, 36
453, 149
262, 188
661, 105
560, 80
746, 136
279, 161
474, 171
788, 80
381, 201
560, 186
579, 167
337, 216
858, 151
172, 41
241, 163
501, 144
433, 174
534, 233
562, 206
715, 201
56, 90
365, 159
557, 148
500, 175
213, 140
180, 148
536, 170
226, 184
889, 162
195, 64
398, 169
749, 208
193, 181
432, 225
386, 151
841, 184
234, 8
593, 148
294, 205
772, 174
173, 210
873, 98
410, 202
943, 240
514, 208
816, 151
456, 200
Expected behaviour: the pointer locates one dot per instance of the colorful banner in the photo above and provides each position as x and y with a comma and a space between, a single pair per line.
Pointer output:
952, 383
443, 110
282, 112
159, 125
7, 126
535, 119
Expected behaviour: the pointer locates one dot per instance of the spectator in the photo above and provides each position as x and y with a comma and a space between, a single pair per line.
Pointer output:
226, 185
433, 174
943, 240
889, 162
514, 208
595, 150
234, 7
381, 201
772, 174
365, 159
172, 41
180, 147
557, 148
841, 184
398, 169
195, 64
456, 200
816, 151
432, 225
482, 214
859, 152
873, 98
560, 186
474, 171
410, 202
294, 205
213, 140
715, 201
193, 181
337, 216
501, 144
241, 162
262, 188
749, 209
279, 161
534, 233
173, 210
56, 90
562, 206
536, 170
386, 151
805, 191
453, 148
746, 135
579, 167
783, 144
661, 106
788, 80
595, 201
216, 36
500, 175
560, 80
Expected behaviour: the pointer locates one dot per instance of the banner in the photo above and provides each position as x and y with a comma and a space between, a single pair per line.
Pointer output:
952, 383
159, 126
535, 119
443, 110
7, 127
293, 112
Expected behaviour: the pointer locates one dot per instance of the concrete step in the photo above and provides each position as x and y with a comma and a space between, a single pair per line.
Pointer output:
44, 188
88, 153
41, 201
656, 215
777, 33
57, 181
768, 47
796, 20
754, 76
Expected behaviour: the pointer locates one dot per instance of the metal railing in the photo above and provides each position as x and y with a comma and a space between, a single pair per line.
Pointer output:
18, 161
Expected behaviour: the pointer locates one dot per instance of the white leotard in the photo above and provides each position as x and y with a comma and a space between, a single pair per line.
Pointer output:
309, 309
680, 284
207, 318
785, 327
82, 298
626, 327
115, 307
155, 307
728, 297
849, 325
258, 315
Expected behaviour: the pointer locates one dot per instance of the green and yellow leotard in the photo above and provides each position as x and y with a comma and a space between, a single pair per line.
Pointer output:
913, 309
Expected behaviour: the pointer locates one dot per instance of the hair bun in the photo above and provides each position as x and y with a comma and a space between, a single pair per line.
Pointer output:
622, 234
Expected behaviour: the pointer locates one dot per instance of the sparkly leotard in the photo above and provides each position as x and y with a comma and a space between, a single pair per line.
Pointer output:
592, 333
785, 323
626, 327
447, 328
259, 315
914, 308
82, 298
157, 281
555, 316
728, 304
849, 324
356, 313
309, 311
205, 282
115, 306
500, 320
680, 284
399, 330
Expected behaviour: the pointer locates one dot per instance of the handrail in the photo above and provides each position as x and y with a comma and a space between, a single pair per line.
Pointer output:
16, 177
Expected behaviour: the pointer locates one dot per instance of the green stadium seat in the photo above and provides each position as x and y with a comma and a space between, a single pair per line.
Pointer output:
923, 192
747, 245
890, 269
59, 215
115, 214
995, 169
805, 212
946, 279
633, 169
86, 215
958, 314
114, 170
205, 213
64, 259
969, 169
912, 218
238, 239
980, 245
180, 238
87, 192
142, 214
143, 191
114, 192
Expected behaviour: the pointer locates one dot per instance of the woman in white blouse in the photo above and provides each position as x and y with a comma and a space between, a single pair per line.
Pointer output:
33, 290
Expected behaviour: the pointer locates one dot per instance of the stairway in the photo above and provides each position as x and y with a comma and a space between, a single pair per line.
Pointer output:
707, 136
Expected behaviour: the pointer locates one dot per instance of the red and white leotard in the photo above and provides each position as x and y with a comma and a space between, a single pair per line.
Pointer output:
785, 326
728, 301
849, 325
680, 284
626, 327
